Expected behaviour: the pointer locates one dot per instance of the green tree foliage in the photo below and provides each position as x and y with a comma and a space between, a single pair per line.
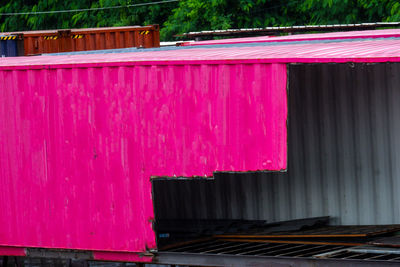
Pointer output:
196, 15
142, 15
350, 11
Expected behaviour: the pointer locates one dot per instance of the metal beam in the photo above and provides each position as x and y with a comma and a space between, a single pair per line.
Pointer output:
230, 260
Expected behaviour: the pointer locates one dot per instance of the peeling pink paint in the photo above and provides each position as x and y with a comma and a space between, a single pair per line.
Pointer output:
79, 143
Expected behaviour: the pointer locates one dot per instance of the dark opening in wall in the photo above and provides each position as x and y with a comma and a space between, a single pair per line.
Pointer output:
343, 157
192, 208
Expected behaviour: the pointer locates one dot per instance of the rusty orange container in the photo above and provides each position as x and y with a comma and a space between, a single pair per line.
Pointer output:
54, 41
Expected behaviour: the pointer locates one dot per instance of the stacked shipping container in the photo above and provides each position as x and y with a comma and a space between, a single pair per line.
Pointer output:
54, 41
83, 134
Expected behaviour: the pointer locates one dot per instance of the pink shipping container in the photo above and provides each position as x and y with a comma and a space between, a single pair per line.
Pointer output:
82, 136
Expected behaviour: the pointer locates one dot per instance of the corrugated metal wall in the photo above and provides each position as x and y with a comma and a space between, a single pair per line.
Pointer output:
68, 40
79, 142
344, 155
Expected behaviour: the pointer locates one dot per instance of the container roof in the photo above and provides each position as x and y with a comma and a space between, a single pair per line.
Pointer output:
368, 50
7, 37
303, 37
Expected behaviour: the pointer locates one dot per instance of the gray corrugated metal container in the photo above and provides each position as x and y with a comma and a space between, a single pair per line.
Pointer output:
343, 155
11, 46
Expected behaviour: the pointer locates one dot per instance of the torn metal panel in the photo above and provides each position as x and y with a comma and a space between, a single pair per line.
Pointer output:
343, 156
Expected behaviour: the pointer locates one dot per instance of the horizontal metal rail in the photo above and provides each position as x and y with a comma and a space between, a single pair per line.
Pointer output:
289, 29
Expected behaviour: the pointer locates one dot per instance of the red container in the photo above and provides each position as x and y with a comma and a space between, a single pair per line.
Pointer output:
81, 137
54, 41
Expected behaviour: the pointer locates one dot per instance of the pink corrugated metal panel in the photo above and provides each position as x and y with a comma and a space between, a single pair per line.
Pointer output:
351, 51
79, 144
303, 37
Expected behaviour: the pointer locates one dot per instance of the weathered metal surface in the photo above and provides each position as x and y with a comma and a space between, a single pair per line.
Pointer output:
79, 143
343, 156
115, 37
393, 241
12, 251
388, 33
58, 254
259, 45
366, 253
299, 242
251, 248
379, 50
122, 256
326, 231
54, 41
248, 253
198, 259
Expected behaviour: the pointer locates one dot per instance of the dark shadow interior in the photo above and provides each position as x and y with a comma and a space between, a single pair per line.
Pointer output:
343, 161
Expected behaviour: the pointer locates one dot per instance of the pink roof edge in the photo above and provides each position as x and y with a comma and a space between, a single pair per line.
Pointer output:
387, 33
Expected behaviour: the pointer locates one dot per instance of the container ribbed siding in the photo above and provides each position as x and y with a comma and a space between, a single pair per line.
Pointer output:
11, 45
55, 41
79, 143
343, 155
